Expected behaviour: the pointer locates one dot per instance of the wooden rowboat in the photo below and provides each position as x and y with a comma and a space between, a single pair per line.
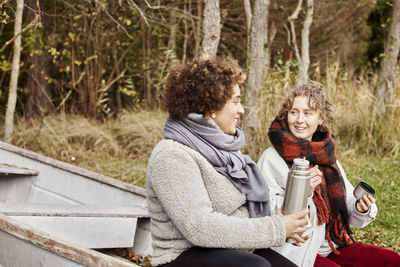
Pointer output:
56, 214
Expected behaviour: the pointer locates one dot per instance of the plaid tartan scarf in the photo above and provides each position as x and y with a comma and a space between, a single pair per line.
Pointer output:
330, 196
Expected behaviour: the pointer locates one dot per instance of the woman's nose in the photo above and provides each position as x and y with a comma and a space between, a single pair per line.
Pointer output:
241, 109
300, 117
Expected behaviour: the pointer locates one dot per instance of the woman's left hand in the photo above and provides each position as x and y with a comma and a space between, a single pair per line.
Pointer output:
364, 203
316, 178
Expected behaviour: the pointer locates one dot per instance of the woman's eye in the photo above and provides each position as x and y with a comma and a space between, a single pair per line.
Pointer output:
293, 112
308, 113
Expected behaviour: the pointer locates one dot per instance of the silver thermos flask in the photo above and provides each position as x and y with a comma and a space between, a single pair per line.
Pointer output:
297, 187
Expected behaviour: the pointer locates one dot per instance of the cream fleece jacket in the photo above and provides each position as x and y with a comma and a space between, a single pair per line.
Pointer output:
275, 171
191, 204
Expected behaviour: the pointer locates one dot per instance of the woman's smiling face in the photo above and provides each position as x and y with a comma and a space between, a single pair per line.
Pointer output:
302, 120
227, 118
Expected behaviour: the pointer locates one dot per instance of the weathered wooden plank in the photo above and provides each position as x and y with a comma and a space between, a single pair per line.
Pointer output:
57, 246
26, 209
26, 154
15, 188
15, 252
6, 169
91, 232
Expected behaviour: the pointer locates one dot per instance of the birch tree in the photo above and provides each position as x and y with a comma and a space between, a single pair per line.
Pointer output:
384, 89
256, 57
303, 60
12, 96
211, 27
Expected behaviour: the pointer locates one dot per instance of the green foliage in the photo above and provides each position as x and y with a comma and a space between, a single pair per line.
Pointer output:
4, 12
378, 22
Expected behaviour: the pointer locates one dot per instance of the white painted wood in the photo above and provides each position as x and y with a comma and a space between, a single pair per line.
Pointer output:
6, 169
15, 188
29, 159
63, 184
18, 253
92, 226
24, 246
90, 232
142, 244
24, 209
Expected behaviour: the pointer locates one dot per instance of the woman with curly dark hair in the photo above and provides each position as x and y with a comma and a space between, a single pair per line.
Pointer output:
208, 203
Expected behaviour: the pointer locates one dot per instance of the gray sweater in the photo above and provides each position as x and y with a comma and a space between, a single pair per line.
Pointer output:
191, 204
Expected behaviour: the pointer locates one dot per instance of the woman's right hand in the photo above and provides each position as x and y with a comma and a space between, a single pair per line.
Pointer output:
295, 224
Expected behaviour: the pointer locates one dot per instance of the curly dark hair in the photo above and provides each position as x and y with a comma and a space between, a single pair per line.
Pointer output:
317, 100
201, 86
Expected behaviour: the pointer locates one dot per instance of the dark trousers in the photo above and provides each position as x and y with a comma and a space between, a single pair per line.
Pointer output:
360, 255
218, 257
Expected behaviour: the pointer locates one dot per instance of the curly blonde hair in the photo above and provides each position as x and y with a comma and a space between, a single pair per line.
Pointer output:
201, 86
317, 100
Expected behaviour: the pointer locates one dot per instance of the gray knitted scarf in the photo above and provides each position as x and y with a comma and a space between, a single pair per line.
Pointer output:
222, 151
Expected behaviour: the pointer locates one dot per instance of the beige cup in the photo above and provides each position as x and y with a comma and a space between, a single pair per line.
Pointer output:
363, 188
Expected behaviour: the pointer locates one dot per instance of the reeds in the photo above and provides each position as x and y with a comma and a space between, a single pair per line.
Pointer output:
120, 147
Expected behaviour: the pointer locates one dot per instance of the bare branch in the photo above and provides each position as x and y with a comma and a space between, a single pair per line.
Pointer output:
296, 12
113, 19
140, 11
33, 23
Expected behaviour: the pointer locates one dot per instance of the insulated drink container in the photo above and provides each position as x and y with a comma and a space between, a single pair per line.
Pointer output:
297, 187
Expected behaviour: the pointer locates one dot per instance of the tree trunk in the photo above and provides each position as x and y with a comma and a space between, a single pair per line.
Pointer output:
305, 43
256, 57
173, 15
39, 100
211, 27
292, 34
12, 96
271, 36
198, 29
146, 83
248, 15
185, 33
384, 89
247, 12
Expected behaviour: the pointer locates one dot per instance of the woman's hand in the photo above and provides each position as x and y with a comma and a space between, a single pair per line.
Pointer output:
316, 179
364, 203
295, 224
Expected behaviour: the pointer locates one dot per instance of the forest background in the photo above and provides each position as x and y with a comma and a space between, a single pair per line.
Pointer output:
91, 74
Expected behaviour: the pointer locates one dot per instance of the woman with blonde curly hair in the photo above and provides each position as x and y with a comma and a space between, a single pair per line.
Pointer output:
302, 129
208, 203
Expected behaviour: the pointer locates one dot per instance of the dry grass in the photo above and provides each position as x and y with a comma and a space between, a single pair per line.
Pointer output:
357, 125
118, 148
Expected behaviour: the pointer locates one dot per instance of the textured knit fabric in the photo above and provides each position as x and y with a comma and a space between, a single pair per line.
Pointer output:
330, 195
191, 204
360, 255
222, 151
275, 171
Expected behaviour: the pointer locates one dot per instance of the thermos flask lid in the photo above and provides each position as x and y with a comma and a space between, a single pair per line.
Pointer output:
301, 162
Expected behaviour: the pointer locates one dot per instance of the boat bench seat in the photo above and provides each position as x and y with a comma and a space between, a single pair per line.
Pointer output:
6, 169
92, 226
84, 210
